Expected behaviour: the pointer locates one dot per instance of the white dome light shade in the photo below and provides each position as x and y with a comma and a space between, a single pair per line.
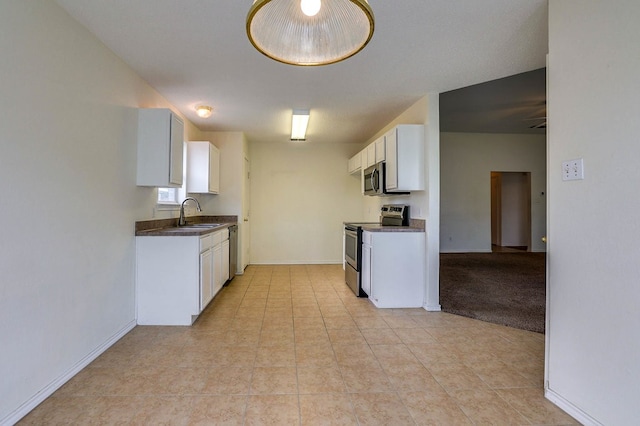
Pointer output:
204, 111
282, 31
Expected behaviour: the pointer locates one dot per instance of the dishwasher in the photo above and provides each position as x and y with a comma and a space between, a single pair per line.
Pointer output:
233, 252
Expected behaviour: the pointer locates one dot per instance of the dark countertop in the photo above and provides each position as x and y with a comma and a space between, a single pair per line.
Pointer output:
387, 228
415, 225
169, 227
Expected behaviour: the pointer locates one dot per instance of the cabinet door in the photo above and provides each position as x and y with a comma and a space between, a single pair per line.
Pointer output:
160, 148
214, 170
225, 261
380, 150
371, 154
203, 167
355, 163
391, 153
206, 283
365, 270
405, 158
397, 269
176, 150
217, 268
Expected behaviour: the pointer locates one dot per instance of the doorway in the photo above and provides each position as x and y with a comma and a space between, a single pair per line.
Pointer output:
510, 211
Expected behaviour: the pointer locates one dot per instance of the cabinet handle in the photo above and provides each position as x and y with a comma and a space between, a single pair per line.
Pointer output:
373, 181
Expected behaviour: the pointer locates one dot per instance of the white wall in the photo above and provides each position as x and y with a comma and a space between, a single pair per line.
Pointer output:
301, 193
593, 333
423, 204
67, 171
466, 163
233, 149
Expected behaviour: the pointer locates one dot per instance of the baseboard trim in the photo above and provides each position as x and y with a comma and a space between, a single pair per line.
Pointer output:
300, 262
571, 409
432, 308
48, 390
443, 251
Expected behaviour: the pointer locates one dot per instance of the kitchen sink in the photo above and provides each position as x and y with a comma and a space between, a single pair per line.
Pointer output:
200, 226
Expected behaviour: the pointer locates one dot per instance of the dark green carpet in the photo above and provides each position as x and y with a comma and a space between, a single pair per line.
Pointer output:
501, 288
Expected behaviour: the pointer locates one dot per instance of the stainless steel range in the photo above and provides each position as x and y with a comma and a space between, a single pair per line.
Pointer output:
390, 215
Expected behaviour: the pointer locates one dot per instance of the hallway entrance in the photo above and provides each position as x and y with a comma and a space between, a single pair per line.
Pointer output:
510, 211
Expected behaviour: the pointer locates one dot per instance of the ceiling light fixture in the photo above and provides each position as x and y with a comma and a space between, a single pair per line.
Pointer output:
299, 122
204, 111
310, 32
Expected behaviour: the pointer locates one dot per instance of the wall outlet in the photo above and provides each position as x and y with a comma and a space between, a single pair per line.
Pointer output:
573, 169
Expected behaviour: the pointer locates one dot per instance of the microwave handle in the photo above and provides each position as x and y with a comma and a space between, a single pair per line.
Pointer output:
373, 180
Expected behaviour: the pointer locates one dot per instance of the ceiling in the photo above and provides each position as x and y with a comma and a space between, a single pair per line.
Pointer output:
515, 104
196, 52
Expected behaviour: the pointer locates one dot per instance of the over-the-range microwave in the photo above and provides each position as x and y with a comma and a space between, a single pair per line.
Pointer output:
374, 181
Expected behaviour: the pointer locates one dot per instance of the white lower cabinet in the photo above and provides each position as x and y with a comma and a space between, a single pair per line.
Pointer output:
206, 270
206, 287
393, 268
177, 277
220, 259
217, 267
365, 269
225, 260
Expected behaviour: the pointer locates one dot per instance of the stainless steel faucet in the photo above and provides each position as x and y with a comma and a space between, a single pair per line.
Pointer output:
182, 221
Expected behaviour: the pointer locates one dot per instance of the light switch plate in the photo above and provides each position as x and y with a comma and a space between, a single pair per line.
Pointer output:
573, 169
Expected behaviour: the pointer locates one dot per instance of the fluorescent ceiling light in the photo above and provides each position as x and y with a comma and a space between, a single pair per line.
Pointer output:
299, 122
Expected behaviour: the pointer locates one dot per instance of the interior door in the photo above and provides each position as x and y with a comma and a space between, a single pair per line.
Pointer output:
246, 211
496, 209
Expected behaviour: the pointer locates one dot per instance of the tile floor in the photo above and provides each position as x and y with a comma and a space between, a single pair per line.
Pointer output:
289, 345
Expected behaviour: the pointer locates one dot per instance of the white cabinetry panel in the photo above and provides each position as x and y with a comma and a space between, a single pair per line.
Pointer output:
355, 163
168, 280
371, 154
405, 158
206, 287
380, 150
225, 260
396, 268
177, 277
160, 153
365, 269
203, 168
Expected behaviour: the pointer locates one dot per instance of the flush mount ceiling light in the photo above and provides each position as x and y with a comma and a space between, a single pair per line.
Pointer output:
204, 111
310, 32
299, 121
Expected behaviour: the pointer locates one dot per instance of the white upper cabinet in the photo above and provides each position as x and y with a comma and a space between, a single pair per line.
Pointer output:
371, 154
405, 158
380, 150
160, 153
355, 163
203, 168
